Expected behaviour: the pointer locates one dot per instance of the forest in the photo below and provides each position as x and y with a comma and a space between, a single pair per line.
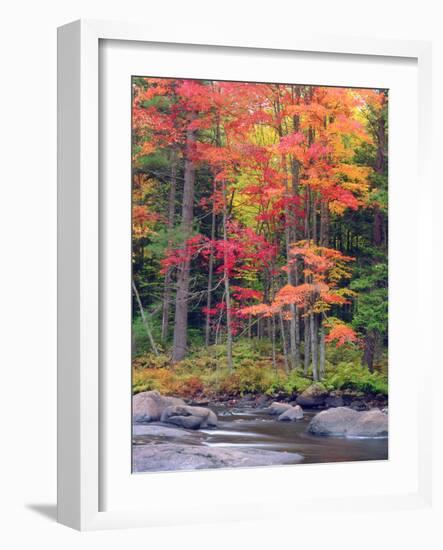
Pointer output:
259, 237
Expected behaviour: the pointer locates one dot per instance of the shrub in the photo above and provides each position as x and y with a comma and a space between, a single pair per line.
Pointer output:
350, 376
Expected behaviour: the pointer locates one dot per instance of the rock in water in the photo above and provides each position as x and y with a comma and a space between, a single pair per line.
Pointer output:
294, 413
343, 421
333, 421
189, 422
279, 408
148, 406
372, 423
172, 456
201, 417
314, 396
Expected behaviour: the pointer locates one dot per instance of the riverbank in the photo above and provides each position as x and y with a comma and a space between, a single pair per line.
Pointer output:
246, 435
204, 377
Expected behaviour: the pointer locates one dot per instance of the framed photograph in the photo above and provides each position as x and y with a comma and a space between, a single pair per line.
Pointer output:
236, 219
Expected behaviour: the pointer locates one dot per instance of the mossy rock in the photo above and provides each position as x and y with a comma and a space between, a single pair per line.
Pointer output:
314, 396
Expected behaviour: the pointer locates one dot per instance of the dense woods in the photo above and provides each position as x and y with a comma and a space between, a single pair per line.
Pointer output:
260, 230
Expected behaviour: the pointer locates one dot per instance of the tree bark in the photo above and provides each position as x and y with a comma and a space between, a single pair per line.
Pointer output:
306, 357
181, 300
227, 285
322, 350
171, 219
314, 356
210, 277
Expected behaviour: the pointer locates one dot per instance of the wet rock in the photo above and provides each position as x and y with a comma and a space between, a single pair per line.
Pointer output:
294, 413
152, 430
344, 421
172, 456
206, 417
314, 396
335, 421
190, 422
148, 406
199, 403
279, 408
372, 423
262, 401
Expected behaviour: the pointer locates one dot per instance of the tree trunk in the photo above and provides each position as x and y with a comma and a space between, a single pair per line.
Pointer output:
144, 319
210, 277
322, 350
171, 219
181, 300
227, 289
306, 357
369, 351
314, 346
283, 339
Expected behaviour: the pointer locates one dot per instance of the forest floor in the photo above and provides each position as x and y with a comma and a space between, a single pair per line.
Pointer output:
204, 377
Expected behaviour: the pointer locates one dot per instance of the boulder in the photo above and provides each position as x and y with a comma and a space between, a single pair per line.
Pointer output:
189, 422
148, 406
177, 456
206, 417
344, 421
294, 413
314, 396
279, 408
335, 421
161, 432
372, 423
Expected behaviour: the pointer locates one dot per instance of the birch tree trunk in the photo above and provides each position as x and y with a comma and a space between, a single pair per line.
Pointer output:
144, 319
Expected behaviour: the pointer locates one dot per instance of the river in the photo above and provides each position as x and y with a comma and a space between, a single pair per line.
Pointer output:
254, 429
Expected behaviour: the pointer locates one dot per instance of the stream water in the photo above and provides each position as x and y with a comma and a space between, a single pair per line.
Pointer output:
255, 428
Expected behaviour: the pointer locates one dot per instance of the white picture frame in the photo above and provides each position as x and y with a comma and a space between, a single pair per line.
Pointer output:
80, 421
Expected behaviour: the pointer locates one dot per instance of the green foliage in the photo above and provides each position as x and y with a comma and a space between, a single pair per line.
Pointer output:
371, 312
291, 383
351, 376
205, 373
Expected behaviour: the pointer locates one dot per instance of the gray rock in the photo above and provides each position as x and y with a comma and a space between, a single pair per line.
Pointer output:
385, 410
335, 421
294, 413
148, 406
152, 430
189, 422
171, 456
372, 423
279, 408
314, 396
206, 417
343, 421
